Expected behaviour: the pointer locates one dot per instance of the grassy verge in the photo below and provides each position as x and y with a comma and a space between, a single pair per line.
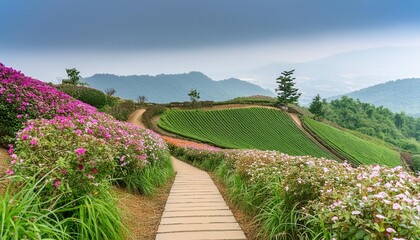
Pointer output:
314, 198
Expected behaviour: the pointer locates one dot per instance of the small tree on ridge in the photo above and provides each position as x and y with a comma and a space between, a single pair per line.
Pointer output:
317, 106
286, 92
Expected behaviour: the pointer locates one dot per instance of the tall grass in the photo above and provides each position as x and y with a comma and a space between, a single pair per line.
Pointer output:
24, 215
96, 217
147, 180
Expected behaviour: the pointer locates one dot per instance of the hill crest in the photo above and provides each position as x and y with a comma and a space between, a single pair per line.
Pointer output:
164, 88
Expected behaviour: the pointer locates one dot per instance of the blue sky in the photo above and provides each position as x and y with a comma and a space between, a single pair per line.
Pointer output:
219, 37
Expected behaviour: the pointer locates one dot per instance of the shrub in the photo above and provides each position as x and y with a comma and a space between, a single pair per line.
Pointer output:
121, 110
314, 198
23, 98
79, 163
415, 163
87, 95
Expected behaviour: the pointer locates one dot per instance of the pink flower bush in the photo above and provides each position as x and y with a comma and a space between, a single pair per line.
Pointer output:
126, 148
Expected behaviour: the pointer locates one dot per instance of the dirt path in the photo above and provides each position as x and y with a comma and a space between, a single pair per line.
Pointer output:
143, 213
3, 167
136, 118
296, 118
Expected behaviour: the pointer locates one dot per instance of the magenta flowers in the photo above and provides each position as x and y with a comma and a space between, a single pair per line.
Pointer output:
80, 151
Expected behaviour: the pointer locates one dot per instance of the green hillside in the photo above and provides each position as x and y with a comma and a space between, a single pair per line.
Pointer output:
351, 147
256, 128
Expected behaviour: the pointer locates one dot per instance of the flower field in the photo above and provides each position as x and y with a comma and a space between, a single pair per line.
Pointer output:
352, 148
67, 155
315, 198
260, 128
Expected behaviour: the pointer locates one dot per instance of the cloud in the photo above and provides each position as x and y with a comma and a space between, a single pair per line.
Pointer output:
187, 24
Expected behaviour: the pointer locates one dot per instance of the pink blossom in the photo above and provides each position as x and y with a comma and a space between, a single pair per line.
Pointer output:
34, 141
80, 151
390, 230
356, 212
24, 137
335, 218
396, 206
10, 172
380, 216
56, 183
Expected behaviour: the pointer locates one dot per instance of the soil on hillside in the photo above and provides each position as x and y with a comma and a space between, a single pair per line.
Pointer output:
143, 213
3, 167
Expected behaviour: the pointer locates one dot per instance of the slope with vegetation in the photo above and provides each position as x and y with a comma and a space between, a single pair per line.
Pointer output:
259, 128
350, 147
395, 128
65, 156
398, 96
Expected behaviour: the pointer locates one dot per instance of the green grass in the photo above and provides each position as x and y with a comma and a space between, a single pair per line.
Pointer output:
353, 148
245, 128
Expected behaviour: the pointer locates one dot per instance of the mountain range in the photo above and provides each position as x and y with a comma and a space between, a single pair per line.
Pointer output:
341, 73
399, 96
165, 88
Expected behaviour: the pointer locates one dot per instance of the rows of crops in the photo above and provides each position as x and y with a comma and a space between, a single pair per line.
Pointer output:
351, 147
246, 128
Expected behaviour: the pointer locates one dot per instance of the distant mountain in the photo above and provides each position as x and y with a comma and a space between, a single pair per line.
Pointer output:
166, 88
344, 72
398, 95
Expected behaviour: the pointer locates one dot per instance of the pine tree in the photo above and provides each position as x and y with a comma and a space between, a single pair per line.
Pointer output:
73, 77
316, 106
286, 92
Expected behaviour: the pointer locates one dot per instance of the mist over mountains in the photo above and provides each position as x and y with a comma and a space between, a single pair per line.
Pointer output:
165, 88
344, 72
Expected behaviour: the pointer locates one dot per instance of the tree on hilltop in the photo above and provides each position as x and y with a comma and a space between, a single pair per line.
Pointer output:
286, 92
194, 95
73, 77
317, 106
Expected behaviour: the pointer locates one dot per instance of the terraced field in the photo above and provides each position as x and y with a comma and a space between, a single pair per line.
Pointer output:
352, 148
245, 128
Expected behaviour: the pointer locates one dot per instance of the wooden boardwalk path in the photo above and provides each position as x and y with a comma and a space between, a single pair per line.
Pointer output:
195, 209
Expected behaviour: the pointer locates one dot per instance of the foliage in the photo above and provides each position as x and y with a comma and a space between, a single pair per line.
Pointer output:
74, 151
25, 216
73, 77
23, 98
316, 106
257, 99
150, 113
121, 109
380, 122
415, 163
286, 92
79, 163
194, 95
261, 128
311, 198
350, 147
87, 95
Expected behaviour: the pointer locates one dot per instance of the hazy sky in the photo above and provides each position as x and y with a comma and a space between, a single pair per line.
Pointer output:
219, 37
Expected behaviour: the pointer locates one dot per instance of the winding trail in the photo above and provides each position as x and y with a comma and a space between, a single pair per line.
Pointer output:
136, 118
195, 209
